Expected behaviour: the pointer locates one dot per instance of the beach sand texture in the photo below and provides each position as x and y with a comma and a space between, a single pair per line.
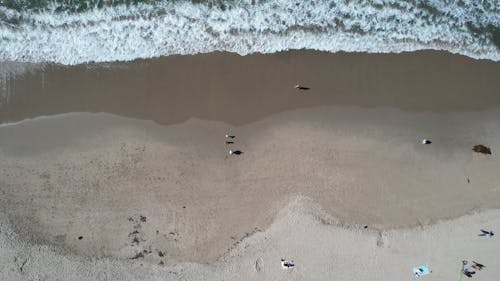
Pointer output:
316, 167
301, 232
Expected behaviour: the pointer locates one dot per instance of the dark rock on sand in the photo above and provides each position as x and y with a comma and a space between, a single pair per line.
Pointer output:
482, 149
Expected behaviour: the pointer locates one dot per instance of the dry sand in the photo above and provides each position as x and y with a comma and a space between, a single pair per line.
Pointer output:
302, 232
139, 193
96, 175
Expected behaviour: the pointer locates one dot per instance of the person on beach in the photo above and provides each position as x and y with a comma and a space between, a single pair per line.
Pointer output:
469, 273
301, 88
485, 233
478, 266
236, 152
287, 264
426, 141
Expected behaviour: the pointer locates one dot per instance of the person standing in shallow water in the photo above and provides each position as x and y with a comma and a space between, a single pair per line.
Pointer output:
301, 88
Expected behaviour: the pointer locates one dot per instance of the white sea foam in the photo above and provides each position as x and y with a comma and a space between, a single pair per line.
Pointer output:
124, 33
8, 70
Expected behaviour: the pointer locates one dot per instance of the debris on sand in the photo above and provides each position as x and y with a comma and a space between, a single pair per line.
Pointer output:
482, 149
138, 255
135, 232
135, 240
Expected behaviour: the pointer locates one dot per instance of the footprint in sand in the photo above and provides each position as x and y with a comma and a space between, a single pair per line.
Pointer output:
258, 264
381, 239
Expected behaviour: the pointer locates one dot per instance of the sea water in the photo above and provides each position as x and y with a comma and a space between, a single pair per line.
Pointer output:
73, 32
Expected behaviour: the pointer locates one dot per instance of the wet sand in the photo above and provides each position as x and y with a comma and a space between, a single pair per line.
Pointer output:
238, 90
350, 144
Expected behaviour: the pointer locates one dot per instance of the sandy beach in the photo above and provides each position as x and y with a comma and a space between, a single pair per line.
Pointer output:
121, 171
321, 251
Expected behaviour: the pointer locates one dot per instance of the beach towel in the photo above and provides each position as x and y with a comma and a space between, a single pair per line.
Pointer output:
421, 270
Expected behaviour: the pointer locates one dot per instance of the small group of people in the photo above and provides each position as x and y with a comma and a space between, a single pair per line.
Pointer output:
230, 140
469, 272
230, 137
475, 266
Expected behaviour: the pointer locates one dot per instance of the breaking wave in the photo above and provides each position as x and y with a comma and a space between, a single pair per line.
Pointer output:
121, 31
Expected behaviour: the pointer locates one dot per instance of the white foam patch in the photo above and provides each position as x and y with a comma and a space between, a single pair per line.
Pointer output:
143, 31
9, 70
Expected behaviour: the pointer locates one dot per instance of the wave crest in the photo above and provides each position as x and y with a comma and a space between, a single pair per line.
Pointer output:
124, 32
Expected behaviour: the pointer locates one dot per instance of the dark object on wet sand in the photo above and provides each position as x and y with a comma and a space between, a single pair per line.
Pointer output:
469, 273
302, 88
237, 152
366, 226
135, 232
482, 149
229, 142
138, 255
80, 237
486, 233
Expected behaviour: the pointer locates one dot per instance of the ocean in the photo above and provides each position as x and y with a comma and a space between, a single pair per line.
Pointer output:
74, 32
